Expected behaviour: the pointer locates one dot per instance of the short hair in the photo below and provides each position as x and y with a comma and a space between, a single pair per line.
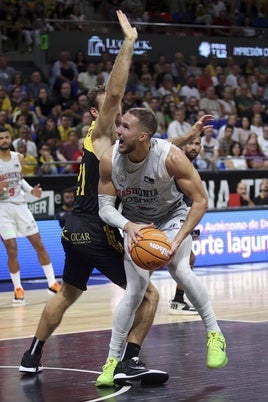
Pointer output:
147, 119
4, 129
93, 94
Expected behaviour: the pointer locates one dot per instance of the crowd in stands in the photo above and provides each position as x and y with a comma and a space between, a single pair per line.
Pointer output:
24, 21
51, 116
48, 118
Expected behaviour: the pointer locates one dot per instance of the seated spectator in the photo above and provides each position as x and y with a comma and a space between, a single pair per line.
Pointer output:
236, 160
25, 134
263, 140
244, 101
5, 104
168, 111
46, 161
64, 126
15, 99
87, 79
80, 60
244, 131
262, 198
69, 149
146, 84
204, 81
211, 103
257, 124
30, 167
209, 148
255, 157
77, 17
179, 126
48, 131
168, 87
25, 110
241, 196
232, 120
64, 70
191, 110
154, 106
227, 102
189, 90
68, 199
193, 67
18, 82
226, 142
64, 101
16, 125
35, 84
220, 83
44, 106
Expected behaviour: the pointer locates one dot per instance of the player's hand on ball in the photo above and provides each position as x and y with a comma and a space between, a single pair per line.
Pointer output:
134, 232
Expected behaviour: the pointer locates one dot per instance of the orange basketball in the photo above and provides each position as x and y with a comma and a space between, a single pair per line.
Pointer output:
151, 251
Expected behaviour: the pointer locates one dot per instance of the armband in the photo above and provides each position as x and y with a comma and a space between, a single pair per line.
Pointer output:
26, 186
109, 214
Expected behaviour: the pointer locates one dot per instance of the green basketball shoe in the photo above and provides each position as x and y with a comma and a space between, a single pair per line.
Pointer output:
216, 356
106, 378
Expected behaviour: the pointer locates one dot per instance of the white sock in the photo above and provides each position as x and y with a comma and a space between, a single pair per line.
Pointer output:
16, 280
49, 272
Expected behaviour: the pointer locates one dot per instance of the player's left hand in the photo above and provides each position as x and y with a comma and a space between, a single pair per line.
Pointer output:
37, 191
204, 122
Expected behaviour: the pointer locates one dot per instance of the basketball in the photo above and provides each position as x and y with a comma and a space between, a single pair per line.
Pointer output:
151, 251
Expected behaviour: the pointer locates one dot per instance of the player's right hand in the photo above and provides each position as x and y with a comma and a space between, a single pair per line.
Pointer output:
129, 32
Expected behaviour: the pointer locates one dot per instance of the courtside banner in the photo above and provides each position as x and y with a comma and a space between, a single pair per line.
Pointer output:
232, 236
227, 237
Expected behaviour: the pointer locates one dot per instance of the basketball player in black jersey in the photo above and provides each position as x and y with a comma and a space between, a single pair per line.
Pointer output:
89, 242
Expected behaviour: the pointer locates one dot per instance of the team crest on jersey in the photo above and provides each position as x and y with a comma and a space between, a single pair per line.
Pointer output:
148, 180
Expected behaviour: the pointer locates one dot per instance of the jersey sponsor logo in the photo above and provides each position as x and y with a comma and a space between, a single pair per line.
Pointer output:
148, 179
80, 238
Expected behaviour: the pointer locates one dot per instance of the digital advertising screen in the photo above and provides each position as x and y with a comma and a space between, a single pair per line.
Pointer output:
226, 237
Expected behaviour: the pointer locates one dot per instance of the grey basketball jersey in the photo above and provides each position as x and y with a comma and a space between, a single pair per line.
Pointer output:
147, 192
10, 171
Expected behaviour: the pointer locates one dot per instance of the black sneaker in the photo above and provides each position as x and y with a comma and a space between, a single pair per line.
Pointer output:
30, 363
133, 370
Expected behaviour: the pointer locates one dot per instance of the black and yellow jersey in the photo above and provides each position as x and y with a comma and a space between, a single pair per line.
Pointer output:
88, 179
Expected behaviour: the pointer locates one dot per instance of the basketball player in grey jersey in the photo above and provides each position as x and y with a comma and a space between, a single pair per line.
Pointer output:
142, 172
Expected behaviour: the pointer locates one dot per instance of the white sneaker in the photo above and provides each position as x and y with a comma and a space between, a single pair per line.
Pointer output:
176, 308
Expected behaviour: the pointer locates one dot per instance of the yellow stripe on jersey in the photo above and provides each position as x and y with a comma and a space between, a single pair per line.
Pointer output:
88, 141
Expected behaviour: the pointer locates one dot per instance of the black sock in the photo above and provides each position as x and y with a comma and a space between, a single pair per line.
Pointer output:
179, 296
36, 347
131, 350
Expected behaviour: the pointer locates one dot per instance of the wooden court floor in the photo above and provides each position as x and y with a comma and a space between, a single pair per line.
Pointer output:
177, 344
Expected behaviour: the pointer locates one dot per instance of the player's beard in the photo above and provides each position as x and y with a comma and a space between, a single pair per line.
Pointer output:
4, 147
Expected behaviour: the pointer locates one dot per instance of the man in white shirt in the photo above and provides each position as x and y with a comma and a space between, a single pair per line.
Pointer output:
26, 135
190, 89
209, 148
178, 126
88, 79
